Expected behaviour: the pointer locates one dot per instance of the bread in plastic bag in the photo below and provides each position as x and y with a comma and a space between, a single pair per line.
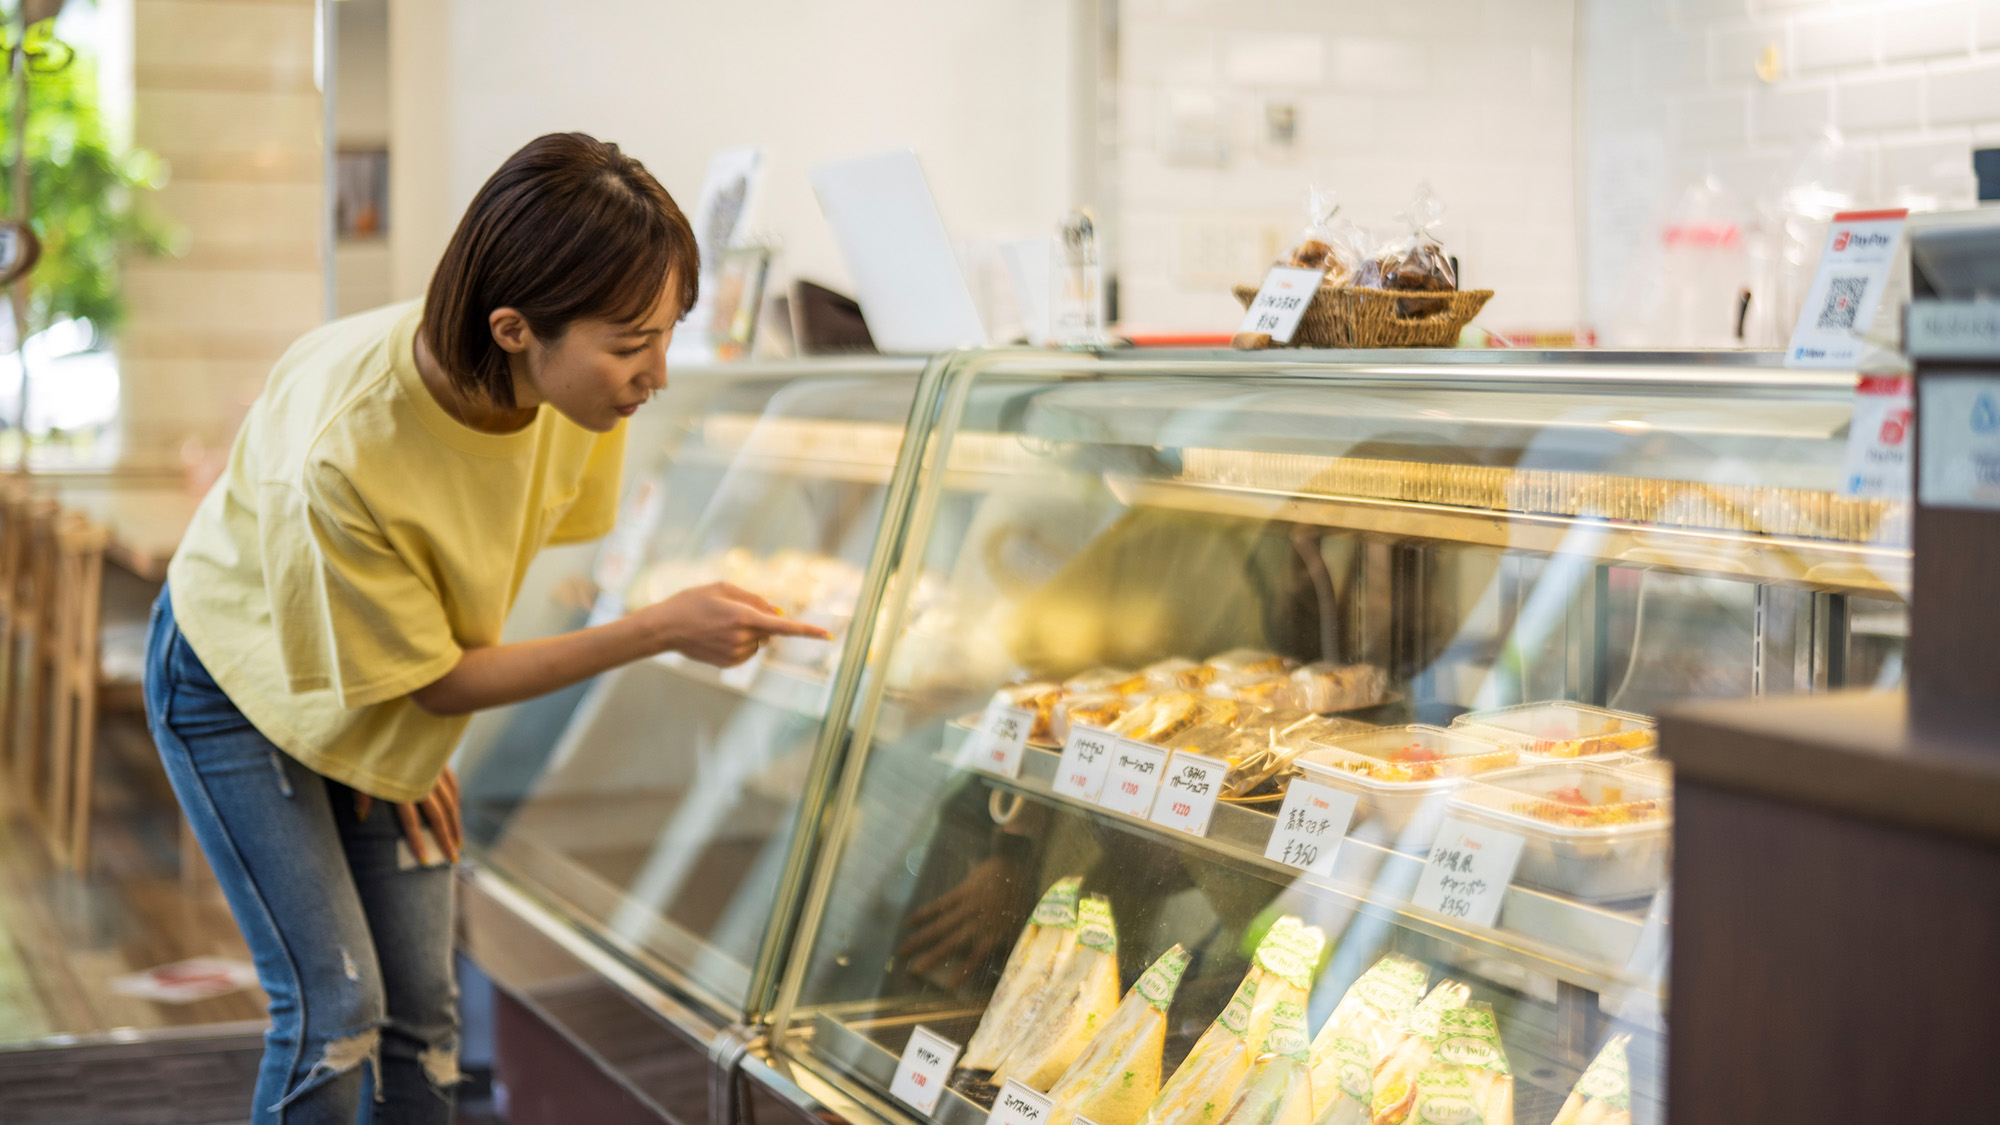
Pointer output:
1416, 261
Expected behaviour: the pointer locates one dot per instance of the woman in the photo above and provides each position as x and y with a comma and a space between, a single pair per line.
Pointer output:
334, 613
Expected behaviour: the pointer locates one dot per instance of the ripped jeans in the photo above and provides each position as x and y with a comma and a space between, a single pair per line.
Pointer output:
352, 940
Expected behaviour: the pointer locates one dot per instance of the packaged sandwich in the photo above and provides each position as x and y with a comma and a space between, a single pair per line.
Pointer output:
1118, 1074
1248, 662
1278, 1089
1417, 261
1177, 673
1397, 1070
1327, 687
1114, 680
1077, 1004
1096, 709
1202, 1089
1603, 1096
1468, 1079
1043, 951
1359, 1034
1283, 967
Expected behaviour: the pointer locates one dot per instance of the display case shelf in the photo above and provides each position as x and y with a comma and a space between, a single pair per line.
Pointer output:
801, 691
1574, 942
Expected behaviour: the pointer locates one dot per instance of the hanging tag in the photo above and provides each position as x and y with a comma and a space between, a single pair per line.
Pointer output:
1467, 872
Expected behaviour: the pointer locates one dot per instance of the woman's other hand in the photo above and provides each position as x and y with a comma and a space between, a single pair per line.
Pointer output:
439, 812
720, 624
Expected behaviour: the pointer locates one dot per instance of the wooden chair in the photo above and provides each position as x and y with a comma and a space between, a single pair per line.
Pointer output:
26, 654
74, 680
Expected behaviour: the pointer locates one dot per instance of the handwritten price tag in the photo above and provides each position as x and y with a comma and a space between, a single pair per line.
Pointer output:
1281, 303
1311, 824
1086, 758
1188, 793
1467, 872
1133, 779
1018, 1105
926, 1064
996, 746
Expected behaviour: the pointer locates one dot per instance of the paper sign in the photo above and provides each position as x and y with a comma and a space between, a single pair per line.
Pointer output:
1880, 438
1467, 872
1853, 272
996, 746
1960, 419
1311, 823
1134, 777
927, 1061
1085, 760
741, 676
1283, 300
1188, 793
1018, 1105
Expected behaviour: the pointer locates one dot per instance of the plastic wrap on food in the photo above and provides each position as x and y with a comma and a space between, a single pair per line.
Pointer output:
1115, 681
1204, 1085
1278, 1089
1468, 1078
1118, 1074
1076, 1006
1396, 1073
1603, 1096
1284, 965
1264, 691
1358, 1035
1038, 698
1327, 687
1318, 728
1042, 953
1416, 261
1096, 709
1177, 674
1563, 730
1160, 718
1248, 662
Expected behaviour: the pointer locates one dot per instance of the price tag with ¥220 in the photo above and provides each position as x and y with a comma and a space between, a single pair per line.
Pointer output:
1311, 824
1086, 758
1188, 792
1467, 872
1281, 302
1133, 779
926, 1064
996, 745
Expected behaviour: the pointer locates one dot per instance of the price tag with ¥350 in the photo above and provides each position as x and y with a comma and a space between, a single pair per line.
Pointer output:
1311, 824
1133, 778
996, 746
1281, 303
1188, 792
1086, 758
1467, 872
1019, 1105
920, 1077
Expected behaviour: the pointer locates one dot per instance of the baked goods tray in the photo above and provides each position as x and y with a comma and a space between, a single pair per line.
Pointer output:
1583, 944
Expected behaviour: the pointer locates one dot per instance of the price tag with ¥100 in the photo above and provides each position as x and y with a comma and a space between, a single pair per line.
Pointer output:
996, 746
1188, 792
1311, 824
1086, 758
1467, 872
926, 1064
1133, 778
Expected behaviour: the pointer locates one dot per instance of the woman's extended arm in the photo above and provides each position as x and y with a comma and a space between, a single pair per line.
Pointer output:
717, 624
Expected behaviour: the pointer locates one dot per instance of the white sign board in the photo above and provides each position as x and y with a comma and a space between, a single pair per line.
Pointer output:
996, 745
1019, 1105
1188, 793
1283, 300
1960, 421
927, 1061
1880, 438
1467, 872
1311, 823
1134, 778
1085, 760
1854, 267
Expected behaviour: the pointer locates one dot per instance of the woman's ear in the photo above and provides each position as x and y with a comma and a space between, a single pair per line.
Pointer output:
510, 330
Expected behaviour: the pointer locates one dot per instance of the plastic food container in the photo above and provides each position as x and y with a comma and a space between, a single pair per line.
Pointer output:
1400, 776
1563, 732
1592, 832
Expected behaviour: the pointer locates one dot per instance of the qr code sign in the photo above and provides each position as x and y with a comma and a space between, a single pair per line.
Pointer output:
1843, 302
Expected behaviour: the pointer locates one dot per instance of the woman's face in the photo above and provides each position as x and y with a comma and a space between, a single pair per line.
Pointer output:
598, 373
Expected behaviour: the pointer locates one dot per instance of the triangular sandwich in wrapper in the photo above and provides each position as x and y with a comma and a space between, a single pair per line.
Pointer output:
1043, 951
1358, 1034
1283, 967
1278, 1090
1202, 1087
1603, 1096
1396, 1072
1076, 1005
1118, 1075
1468, 1043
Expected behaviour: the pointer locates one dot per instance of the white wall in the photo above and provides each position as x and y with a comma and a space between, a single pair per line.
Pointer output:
980, 90
1473, 95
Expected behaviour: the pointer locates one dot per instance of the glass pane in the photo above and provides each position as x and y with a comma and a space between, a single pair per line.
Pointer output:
656, 803
1282, 571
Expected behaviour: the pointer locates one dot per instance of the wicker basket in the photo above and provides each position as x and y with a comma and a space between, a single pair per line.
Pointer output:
1351, 317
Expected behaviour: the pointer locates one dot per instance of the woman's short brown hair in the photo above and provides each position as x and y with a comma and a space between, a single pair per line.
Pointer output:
568, 228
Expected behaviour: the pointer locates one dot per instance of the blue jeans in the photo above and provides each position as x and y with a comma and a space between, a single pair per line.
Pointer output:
352, 938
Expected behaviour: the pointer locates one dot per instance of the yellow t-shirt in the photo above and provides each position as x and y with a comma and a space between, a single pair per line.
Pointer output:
361, 539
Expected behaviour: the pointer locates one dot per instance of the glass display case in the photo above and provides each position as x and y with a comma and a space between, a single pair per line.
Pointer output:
653, 809
1307, 697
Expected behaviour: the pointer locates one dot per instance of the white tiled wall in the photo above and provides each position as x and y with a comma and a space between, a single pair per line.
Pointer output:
1473, 95
1910, 86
